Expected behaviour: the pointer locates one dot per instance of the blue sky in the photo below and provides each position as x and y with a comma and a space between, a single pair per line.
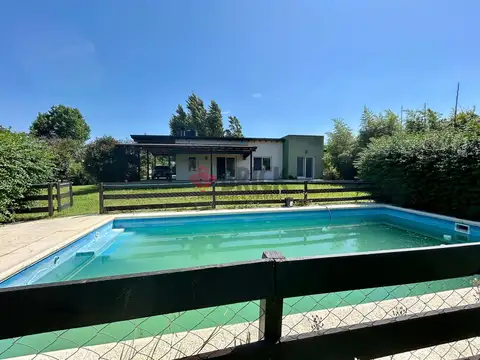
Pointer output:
282, 67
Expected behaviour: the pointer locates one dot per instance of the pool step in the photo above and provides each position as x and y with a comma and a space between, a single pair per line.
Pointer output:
93, 250
99, 244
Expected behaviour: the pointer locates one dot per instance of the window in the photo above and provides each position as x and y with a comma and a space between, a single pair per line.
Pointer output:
192, 163
266, 164
262, 163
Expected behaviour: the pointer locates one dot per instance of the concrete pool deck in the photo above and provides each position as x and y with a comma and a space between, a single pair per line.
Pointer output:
24, 243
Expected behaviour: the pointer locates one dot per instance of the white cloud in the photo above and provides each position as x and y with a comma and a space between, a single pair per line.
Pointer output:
257, 95
226, 112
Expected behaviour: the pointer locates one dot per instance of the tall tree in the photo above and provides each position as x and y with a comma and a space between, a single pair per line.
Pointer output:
62, 122
179, 121
214, 120
374, 126
205, 123
197, 114
423, 120
341, 149
466, 119
234, 127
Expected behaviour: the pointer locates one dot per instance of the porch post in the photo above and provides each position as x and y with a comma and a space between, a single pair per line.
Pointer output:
139, 164
148, 165
211, 163
251, 165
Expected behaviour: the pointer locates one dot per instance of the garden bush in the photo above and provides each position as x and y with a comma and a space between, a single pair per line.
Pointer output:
104, 161
24, 160
434, 171
78, 175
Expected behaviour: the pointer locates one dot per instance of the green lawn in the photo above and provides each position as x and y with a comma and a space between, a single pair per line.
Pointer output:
86, 198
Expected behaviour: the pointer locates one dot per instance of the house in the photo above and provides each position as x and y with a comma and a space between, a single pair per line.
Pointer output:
227, 158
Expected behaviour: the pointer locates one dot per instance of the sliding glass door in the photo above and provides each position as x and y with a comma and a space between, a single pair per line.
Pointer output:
225, 168
300, 167
309, 167
305, 167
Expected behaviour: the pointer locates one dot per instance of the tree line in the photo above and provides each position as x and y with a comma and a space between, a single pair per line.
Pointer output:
344, 146
428, 162
395, 153
205, 123
56, 148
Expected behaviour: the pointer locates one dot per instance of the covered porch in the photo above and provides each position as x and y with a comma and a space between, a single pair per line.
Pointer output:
218, 161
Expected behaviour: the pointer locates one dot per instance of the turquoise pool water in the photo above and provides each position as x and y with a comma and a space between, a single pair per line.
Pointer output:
132, 246
177, 246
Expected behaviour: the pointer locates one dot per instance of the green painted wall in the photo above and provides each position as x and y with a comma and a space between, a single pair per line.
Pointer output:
304, 146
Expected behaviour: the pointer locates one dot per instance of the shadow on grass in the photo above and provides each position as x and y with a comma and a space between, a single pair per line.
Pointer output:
85, 190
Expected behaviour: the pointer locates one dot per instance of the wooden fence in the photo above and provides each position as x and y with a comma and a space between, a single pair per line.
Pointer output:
211, 190
57, 198
74, 304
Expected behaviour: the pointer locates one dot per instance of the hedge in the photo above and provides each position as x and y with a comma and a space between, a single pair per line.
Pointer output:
435, 171
24, 160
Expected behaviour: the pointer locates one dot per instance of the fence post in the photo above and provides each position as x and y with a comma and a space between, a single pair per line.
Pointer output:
70, 189
305, 192
357, 186
100, 198
270, 320
214, 198
59, 200
50, 199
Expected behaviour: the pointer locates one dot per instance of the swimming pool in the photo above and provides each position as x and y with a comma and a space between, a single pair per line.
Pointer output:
142, 244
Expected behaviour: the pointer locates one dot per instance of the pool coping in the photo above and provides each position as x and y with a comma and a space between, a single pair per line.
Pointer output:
62, 244
173, 214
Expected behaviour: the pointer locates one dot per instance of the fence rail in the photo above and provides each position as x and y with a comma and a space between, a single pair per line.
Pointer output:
72, 304
55, 194
211, 190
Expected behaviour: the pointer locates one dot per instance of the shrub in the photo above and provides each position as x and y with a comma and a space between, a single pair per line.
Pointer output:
433, 171
329, 170
24, 161
66, 153
78, 175
104, 161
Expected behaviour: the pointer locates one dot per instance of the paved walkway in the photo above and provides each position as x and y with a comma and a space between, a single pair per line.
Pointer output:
24, 243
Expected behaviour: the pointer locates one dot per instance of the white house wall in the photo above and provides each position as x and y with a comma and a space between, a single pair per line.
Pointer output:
273, 150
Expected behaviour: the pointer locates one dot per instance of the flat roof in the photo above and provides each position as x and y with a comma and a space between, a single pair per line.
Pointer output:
166, 139
189, 148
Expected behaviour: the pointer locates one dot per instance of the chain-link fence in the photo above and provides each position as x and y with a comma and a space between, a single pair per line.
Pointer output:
165, 337
200, 331
326, 312
327, 317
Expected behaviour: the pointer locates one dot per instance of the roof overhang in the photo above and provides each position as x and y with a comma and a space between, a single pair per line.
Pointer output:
174, 149
170, 139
